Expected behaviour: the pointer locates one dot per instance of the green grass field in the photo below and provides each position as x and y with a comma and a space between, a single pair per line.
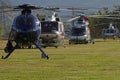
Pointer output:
99, 61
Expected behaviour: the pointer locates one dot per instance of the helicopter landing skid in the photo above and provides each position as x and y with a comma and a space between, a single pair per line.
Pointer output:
43, 55
8, 51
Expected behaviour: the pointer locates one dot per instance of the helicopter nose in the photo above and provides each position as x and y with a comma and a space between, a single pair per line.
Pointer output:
24, 29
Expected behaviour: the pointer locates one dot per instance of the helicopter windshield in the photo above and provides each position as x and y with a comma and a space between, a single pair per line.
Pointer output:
110, 31
48, 27
78, 31
24, 23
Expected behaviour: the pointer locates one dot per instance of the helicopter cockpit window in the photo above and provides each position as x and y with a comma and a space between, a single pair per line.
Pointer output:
110, 31
48, 27
78, 31
25, 23
80, 21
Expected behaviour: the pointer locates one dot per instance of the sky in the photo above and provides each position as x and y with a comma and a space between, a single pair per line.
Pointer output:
70, 3
92, 4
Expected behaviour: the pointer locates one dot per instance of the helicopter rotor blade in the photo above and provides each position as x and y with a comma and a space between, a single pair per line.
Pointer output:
51, 9
72, 19
28, 6
105, 16
8, 10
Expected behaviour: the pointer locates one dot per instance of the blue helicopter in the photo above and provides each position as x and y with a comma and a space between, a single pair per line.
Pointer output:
25, 31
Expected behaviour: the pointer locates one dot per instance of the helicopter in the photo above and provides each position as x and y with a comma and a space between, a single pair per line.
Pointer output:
108, 26
84, 21
110, 32
80, 31
52, 32
25, 31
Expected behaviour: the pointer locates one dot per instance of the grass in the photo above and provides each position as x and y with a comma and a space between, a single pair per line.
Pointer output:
100, 61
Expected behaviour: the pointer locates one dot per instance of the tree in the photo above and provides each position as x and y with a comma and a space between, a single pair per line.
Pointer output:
116, 10
0, 31
104, 11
